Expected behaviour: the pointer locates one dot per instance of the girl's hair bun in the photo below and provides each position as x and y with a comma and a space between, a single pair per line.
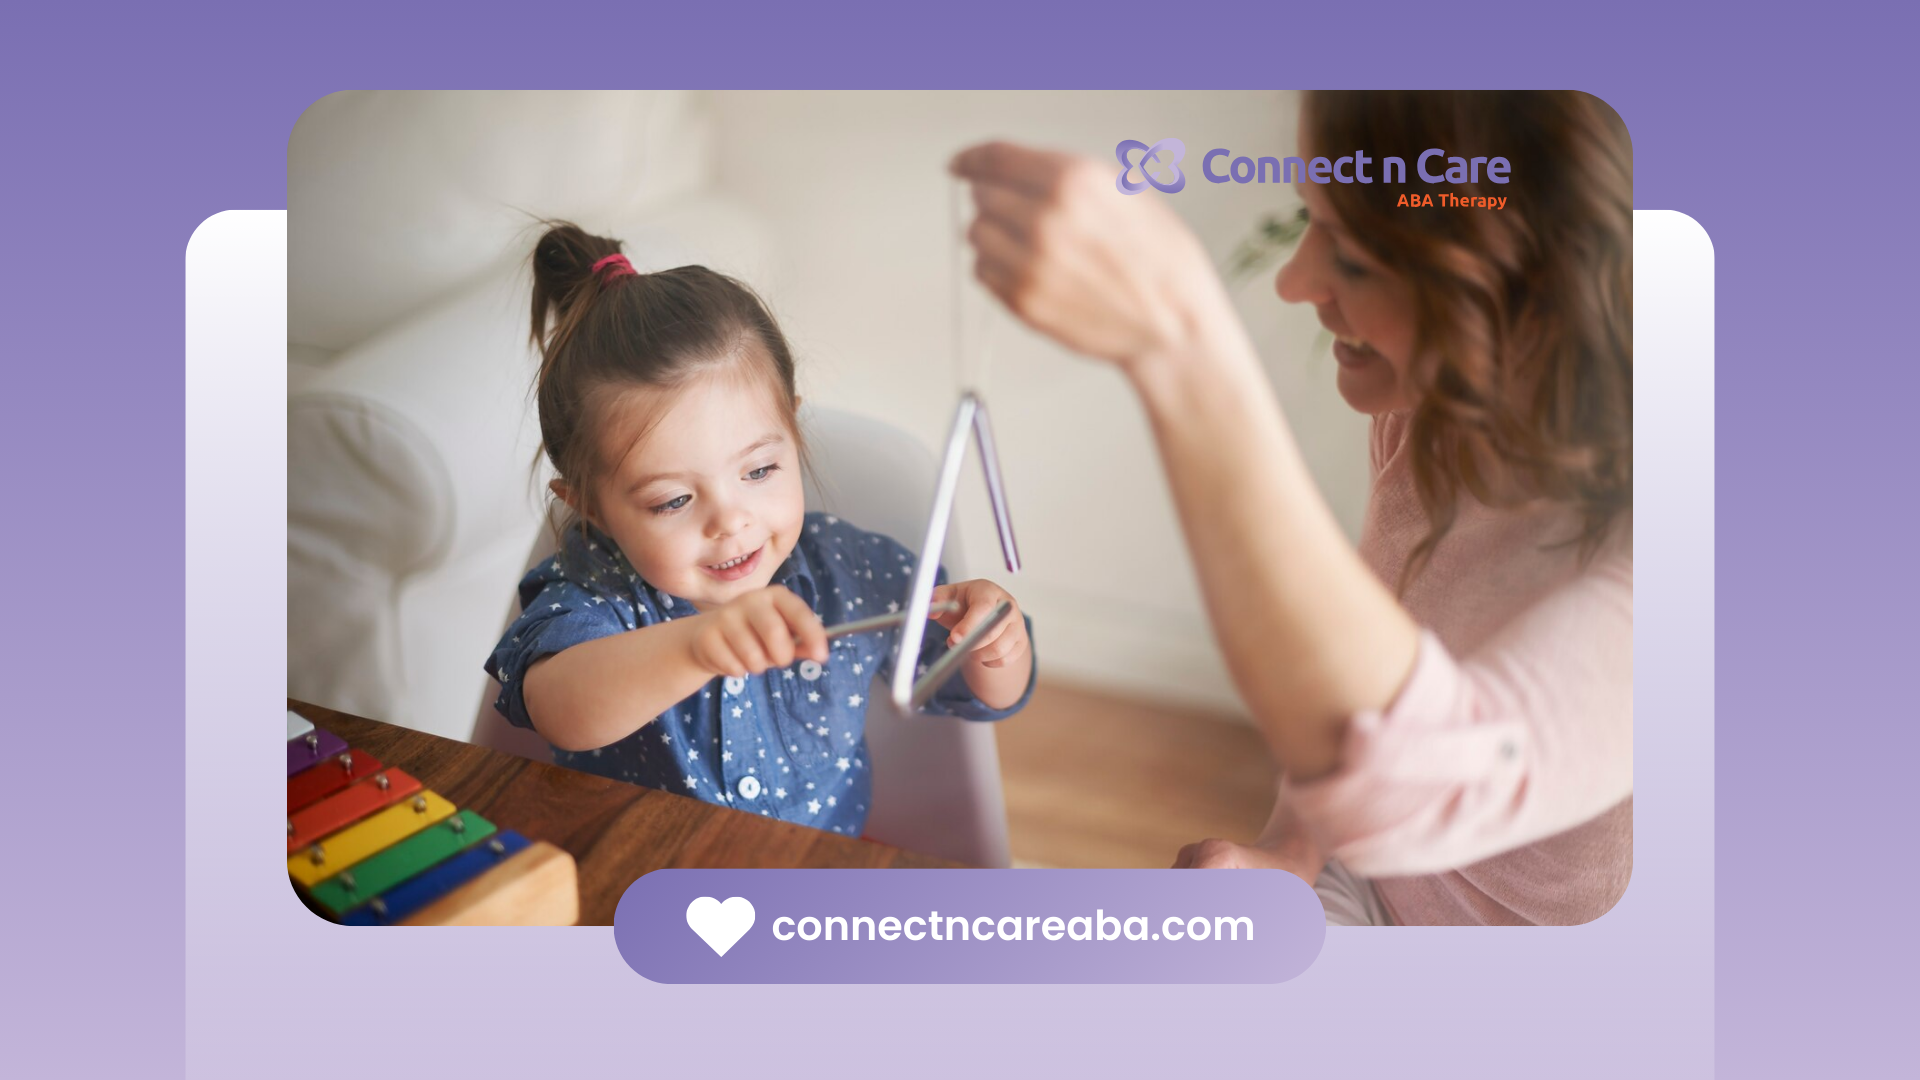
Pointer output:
563, 272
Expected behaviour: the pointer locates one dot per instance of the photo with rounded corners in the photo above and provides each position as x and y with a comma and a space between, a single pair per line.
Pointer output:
1271, 453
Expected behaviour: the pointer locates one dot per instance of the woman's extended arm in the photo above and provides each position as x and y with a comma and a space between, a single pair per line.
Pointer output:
1311, 637
1527, 736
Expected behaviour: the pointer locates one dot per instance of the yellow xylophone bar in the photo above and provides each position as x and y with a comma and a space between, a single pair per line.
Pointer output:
318, 862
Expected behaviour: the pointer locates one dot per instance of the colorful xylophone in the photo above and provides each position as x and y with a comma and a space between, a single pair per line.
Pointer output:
368, 845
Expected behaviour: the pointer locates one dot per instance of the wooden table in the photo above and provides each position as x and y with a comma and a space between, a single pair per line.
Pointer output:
615, 831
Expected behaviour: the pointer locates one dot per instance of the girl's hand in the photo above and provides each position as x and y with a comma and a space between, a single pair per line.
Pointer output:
1114, 276
766, 628
1006, 645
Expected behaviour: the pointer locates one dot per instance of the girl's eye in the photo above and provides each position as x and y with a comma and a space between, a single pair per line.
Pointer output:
1348, 269
763, 472
672, 505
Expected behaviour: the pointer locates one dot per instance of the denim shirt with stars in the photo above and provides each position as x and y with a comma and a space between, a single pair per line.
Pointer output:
788, 743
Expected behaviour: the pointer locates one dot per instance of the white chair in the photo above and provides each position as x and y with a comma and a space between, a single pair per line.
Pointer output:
936, 780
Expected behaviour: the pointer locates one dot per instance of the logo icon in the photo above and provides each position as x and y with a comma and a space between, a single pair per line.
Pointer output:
720, 925
1174, 148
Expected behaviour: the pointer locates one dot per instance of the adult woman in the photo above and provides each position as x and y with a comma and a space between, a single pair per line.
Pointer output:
1451, 704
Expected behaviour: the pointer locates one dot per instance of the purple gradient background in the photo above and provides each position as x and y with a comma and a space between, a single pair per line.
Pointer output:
1287, 930
1788, 139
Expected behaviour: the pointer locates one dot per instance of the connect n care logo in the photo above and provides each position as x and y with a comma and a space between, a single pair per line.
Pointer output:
1172, 147
1346, 169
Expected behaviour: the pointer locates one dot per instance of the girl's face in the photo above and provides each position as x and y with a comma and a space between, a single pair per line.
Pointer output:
709, 503
1367, 307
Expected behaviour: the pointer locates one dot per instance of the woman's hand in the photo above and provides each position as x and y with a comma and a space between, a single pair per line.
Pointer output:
766, 628
1114, 276
1301, 860
997, 667
1283, 845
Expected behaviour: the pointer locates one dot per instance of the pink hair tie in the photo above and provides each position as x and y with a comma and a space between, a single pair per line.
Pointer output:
616, 266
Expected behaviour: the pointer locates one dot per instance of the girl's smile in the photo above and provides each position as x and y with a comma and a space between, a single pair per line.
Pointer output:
737, 567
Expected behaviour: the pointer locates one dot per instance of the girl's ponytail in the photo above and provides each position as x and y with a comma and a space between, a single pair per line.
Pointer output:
564, 283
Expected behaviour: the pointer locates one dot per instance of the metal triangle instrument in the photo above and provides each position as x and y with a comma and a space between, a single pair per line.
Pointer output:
970, 416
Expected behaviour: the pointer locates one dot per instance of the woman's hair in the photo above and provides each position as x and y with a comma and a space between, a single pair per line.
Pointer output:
1522, 369
603, 328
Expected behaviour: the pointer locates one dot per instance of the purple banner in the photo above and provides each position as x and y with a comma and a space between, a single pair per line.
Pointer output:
969, 926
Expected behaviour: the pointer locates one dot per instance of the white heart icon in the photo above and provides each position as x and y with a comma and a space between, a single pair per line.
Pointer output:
720, 925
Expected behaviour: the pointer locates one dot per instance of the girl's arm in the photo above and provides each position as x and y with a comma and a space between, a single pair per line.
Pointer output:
998, 686
601, 691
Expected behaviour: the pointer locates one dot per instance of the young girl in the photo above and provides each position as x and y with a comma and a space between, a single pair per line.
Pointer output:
678, 638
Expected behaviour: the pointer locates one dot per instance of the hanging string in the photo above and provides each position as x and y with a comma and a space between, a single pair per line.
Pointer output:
956, 272
970, 361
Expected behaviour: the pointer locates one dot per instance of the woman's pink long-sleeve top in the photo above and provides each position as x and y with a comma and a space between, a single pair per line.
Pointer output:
1497, 788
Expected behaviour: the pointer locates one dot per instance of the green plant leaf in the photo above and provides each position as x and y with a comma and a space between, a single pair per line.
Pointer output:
1269, 241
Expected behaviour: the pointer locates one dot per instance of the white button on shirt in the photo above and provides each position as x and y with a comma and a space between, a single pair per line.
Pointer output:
749, 788
735, 684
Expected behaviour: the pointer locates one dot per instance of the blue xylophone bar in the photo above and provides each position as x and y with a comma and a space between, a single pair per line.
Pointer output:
403, 900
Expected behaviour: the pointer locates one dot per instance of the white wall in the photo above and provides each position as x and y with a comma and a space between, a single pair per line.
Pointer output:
852, 190
397, 199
